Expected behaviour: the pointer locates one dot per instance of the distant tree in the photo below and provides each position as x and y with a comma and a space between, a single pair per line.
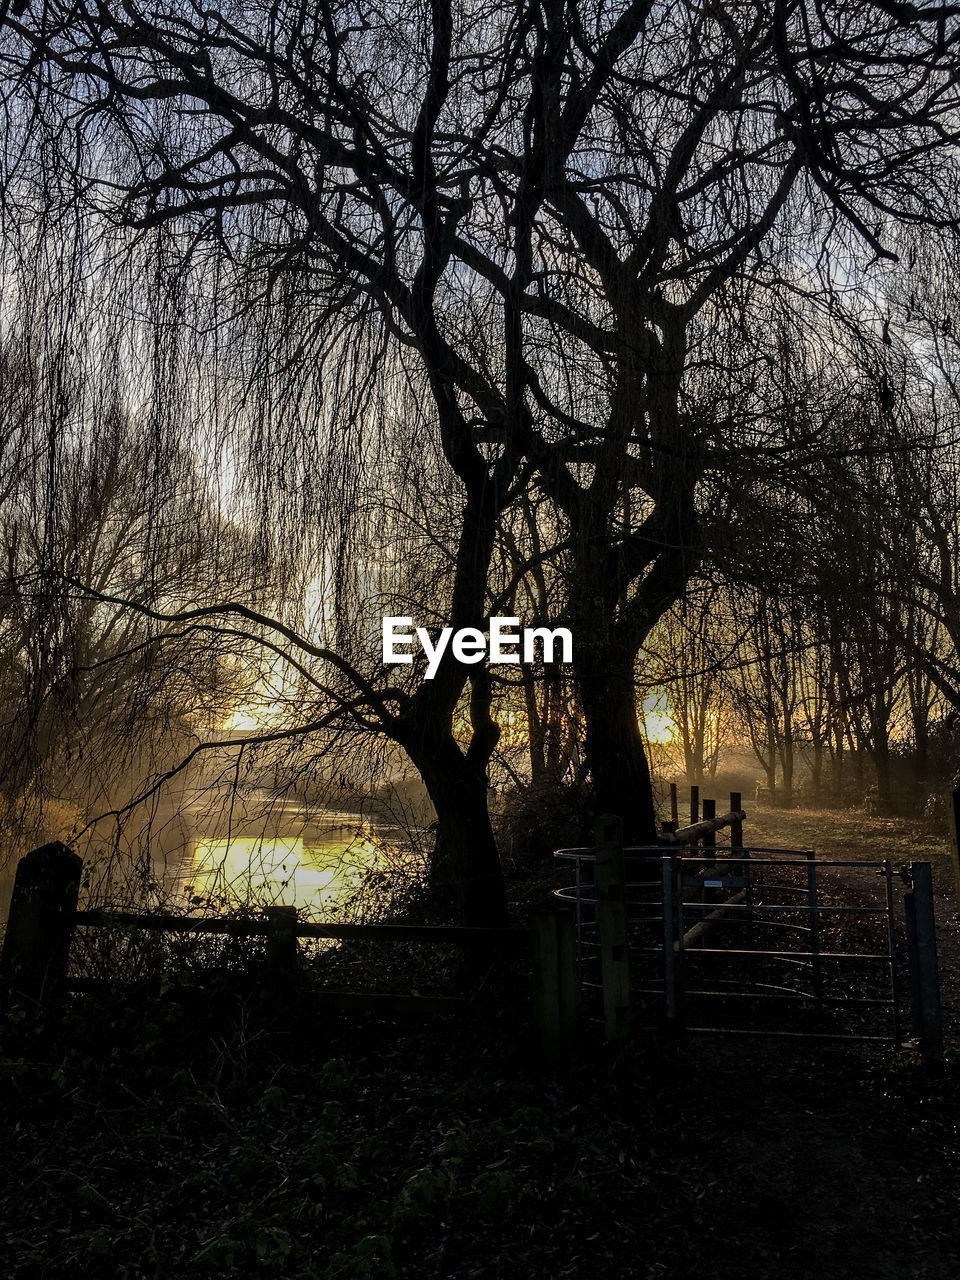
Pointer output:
685, 659
90, 695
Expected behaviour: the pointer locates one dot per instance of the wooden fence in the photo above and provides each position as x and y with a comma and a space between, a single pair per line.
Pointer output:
34, 962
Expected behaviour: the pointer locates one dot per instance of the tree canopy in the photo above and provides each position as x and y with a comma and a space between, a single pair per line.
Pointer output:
555, 253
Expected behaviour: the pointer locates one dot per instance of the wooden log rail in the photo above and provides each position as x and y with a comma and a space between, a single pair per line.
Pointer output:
698, 931
693, 834
705, 830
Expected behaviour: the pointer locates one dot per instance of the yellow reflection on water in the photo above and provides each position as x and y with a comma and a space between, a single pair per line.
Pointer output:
281, 870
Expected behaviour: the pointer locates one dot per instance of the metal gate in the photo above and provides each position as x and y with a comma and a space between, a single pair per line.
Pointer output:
761, 941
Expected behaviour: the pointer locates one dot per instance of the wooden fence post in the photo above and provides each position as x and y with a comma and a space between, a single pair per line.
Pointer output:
694, 806
282, 948
36, 946
709, 845
924, 971
953, 815
612, 922
556, 986
709, 813
736, 827
743, 866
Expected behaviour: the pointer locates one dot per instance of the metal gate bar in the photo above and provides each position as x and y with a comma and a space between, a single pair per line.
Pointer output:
661, 918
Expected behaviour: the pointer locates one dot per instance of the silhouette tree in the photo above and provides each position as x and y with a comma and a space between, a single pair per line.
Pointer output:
559, 220
90, 693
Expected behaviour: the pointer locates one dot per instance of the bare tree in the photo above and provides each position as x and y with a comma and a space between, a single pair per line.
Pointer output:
557, 219
86, 701
685, 658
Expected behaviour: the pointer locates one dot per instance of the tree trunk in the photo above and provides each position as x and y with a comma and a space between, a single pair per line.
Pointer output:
555, 758
880, 734
699, 742
816, 768
921, 759
919, 714
786, 761
614, 744
838, 758
466, 865
769, 761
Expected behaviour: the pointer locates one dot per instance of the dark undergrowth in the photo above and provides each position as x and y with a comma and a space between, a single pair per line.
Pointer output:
216, 1133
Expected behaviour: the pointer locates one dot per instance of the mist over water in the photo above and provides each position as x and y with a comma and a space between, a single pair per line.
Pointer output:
218, 855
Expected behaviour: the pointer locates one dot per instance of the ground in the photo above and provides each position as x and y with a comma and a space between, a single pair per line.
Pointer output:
231, 1136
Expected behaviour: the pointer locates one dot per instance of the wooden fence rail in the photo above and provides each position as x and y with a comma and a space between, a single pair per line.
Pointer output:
253, 927
34, 961
704, 830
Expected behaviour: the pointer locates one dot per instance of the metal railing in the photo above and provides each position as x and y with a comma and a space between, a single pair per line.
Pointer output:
762, 941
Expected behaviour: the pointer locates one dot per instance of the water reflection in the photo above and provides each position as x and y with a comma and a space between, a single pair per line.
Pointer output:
282, 870
214, 857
